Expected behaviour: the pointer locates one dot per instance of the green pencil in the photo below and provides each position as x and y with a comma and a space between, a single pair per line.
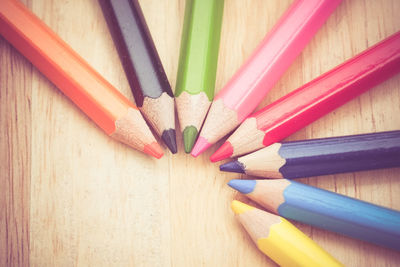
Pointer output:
198, 59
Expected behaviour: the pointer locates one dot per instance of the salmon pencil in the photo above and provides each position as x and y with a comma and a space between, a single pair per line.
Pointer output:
97, 98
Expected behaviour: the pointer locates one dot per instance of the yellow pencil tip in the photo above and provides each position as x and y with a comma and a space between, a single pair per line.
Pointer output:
239, 207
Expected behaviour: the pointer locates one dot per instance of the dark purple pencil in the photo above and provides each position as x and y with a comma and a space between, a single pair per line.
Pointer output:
321, 156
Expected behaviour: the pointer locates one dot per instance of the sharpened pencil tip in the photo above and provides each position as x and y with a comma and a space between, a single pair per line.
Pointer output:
224, 152
189, 137
201, 145
233, 166
239, 207
154, 150
169, 138
243, 186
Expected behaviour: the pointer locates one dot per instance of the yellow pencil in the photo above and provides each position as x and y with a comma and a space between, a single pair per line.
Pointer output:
279, 239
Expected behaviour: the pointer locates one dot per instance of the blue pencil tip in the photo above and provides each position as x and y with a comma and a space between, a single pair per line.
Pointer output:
233, 166
243, 186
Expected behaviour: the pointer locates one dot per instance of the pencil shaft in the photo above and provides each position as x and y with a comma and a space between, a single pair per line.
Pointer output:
340, 154
199, 47
342, 214
275, 54
61, 65
142, 65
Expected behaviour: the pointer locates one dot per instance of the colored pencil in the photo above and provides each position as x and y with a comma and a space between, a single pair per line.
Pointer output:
142, 65
101, 102
314, 99
197, 65
279, 239
322, 156
325, 209
245, 90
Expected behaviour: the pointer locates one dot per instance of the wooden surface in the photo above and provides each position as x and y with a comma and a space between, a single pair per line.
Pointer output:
74, 197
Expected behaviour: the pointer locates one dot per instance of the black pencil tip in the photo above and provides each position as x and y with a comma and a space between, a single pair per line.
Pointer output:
169, 138
233, 166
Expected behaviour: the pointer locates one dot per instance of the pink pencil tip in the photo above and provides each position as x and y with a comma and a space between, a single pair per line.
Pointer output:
201, 145
224, 152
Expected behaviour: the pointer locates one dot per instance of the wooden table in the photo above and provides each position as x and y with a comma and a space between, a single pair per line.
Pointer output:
71, 198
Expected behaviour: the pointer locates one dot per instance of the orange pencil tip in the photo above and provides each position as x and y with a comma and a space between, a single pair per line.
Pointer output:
224, 152
154, 150
201, 145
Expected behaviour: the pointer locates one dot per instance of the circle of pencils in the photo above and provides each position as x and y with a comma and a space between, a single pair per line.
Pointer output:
260, 132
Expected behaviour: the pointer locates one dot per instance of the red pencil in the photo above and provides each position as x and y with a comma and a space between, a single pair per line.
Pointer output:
280, 47
314, 99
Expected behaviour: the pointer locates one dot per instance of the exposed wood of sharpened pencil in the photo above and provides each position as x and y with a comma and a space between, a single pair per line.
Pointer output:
107, 107
325, 209
321, 156
314, 99
142, 65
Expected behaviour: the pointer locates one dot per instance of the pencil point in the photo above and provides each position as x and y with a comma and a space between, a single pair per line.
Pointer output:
189, 137
169, 138
201, 145
224, 152
243, 186
239, 207
154, 150
233, 166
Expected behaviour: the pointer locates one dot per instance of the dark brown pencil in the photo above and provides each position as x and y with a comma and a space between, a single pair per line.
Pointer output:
142, 65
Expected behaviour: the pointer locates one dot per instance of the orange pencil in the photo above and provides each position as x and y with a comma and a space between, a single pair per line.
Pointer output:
107, 107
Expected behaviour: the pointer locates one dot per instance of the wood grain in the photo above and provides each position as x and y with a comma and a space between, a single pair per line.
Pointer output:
73, 198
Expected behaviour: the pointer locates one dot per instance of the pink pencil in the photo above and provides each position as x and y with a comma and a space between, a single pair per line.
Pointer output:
245, 90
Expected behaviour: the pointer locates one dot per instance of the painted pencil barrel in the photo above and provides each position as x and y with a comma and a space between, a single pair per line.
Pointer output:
340, 154
288, 246
199, 47
341, 214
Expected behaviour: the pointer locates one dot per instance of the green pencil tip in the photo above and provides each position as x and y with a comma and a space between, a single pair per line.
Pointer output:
189, 137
